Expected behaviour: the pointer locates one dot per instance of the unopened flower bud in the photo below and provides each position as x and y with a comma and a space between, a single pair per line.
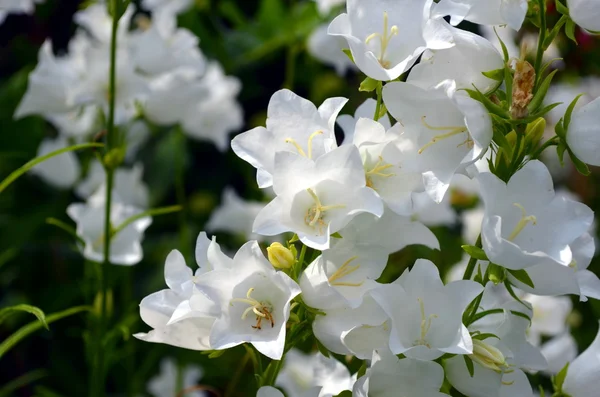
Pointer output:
522, 92
535, 131
280, 256
488, 356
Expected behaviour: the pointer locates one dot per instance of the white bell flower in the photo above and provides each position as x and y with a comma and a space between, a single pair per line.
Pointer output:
519, 228
387, 376
96, 20
386, 37
128, 184
78, 124
60, 171
254, 300
448, 129
161, 47
302, 373
583, 132
173, 6
235, 216
582, 376
356, 331
558, 351
294, 124
169, 311
16, 7
317, 198
328, 49
585, 13
549, 316
165, 384
125, 246
484, 12
449, 64
431, 213
364, 110
428, 324
325, 6
389, 171
560, 279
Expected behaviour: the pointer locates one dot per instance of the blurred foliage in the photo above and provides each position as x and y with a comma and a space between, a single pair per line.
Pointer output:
262, 42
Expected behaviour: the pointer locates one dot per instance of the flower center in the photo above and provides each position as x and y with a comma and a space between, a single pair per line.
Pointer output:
425, 325
379, 169
309, 146
451, 132
524, 221
384, 39
314, 215
345, 270
262, 310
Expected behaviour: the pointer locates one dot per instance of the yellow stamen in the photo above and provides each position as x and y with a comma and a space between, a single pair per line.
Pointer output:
344, 271
451, 132
260, 309
384, 39
425, 325
524, 221
299, 148
314, 215
506, 383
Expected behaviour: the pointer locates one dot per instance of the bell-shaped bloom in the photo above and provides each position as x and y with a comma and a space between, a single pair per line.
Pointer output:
582, 376
525, 223
60, 171
166, 382
169, 311
497, 361
389, 171
434, 214
558, 279
173, 6
78, 124
235, 216
96, 20
583, 135
356, 331
317, 198
254, 300
295, 125
125, 246
585, 13
559, 351
364, 110
386, 37
302, 373
161, 47
325, 6
448, 130
549, 316
128, 184
328, 49
428, 324
484, 12
342, 275
449, 64
388, 376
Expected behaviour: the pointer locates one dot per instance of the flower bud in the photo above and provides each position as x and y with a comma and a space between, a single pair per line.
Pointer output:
280, 257
535, 131
488, 356
522, 90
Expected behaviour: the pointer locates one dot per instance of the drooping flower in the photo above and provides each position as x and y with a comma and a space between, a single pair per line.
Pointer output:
254, 301
386, 37
585, 13
448, 130
429, 322
582, 376
519, 227
484, 12
294, 124
317, 198
583, 133
328, 49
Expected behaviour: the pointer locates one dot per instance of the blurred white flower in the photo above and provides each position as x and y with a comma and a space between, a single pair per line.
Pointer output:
165, 384
61, 171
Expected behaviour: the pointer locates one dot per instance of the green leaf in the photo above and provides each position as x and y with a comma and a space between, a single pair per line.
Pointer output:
554, 32
504, 49
508, 82
511, 292
522, 276
570, 30
348, 54
23, 380
470, 366
37, 312
485, 313
569, 113
581, 167
475, 252
540, 94
368, 85
489, 105
559, 379
336, 235
543, 111
345, 393
497, 74
484, 336
560, 151
29, 165
560, 7
520, 314
152, 212
24, 331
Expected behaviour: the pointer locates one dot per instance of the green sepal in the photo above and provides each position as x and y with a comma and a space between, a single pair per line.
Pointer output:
503, 46
348, 54
540, 93
484, 336
522, 276
117, 8
570, 30
560, 151
554, 32
368, 85
497, 74
475, 252
543, 111
508, 82
559, 379
336, 235
560, 7
345, 393
469, 364
581, 167
114, 158
489, 105
496, 274
569, 113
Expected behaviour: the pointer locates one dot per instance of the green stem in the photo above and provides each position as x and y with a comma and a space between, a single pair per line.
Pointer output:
540, 50
379, 91
300, 263
550, 142
149, 213
98, 372
472, 262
